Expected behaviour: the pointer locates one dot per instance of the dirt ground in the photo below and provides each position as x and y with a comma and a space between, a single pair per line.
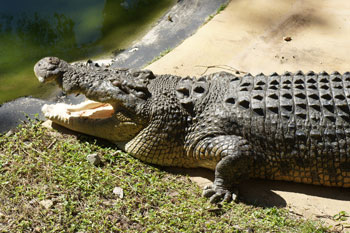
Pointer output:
272, 36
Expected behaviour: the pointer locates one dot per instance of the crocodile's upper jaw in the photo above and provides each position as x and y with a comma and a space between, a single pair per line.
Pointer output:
96, 119
50, 69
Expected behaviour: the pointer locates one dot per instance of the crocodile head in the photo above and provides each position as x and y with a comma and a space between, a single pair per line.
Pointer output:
116, 98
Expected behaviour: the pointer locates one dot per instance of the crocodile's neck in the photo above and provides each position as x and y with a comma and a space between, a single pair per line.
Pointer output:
161, 142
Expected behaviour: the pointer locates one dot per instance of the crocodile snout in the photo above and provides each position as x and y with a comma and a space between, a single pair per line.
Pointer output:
50, 69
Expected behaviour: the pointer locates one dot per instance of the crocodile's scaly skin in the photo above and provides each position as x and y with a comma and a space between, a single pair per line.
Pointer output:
293, 127
298, 124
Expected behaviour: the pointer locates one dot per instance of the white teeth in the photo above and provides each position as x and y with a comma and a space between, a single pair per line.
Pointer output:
45, 108
56, 112
64, 113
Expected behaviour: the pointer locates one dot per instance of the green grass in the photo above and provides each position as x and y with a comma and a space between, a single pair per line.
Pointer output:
162, 54
221, 8
37, 164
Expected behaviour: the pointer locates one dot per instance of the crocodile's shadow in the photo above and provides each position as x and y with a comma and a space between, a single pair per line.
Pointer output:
249, 192
262, 193
255, 192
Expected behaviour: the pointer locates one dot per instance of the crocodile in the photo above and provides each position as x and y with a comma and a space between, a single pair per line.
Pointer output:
291, 127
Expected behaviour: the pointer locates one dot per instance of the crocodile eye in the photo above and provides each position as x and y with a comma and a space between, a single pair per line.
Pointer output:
199, 89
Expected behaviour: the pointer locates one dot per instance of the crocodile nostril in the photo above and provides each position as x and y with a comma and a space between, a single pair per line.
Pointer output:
116, 83
185, 91
121, 86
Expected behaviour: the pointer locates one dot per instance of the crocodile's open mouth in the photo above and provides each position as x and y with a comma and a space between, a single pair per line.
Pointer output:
117, 121
88, 109
94, 118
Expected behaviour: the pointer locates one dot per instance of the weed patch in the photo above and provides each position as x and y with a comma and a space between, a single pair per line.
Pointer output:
47, 185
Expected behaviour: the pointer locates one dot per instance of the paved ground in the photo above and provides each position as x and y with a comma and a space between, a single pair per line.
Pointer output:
179, 23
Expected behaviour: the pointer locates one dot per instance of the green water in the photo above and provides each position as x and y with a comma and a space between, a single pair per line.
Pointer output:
69, 29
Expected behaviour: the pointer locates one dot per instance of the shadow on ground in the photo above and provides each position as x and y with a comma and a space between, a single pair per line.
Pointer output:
263, 192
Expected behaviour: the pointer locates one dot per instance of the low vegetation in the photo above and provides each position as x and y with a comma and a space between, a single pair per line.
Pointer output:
47, 185
162, 54
221, 8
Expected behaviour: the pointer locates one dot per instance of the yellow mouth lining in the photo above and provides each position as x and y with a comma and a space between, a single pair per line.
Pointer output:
101, 111
88, 109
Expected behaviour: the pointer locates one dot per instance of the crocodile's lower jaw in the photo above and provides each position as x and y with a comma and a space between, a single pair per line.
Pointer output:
94, 118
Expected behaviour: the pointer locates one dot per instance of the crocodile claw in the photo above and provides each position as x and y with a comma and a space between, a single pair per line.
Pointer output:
218, 194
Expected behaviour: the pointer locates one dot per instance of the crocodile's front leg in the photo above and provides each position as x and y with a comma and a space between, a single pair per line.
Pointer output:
235, 162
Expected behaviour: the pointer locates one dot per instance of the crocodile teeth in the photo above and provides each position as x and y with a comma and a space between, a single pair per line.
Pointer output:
57, 112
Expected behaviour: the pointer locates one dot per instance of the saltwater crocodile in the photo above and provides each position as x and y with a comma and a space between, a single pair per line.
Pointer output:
293, 127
